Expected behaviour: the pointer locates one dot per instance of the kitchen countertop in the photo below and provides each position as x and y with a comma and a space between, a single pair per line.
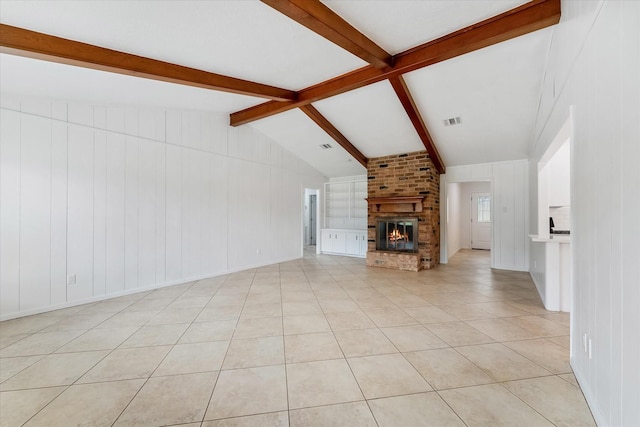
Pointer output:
551, 238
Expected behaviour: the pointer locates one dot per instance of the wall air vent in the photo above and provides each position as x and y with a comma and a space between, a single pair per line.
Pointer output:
325, 146
452, 121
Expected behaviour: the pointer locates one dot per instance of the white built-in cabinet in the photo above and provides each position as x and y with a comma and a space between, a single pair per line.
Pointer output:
344, 242
345, 217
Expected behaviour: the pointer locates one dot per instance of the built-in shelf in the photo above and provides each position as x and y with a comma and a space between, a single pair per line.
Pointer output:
399, 202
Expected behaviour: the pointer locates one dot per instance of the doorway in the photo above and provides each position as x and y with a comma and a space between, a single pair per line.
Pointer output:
312, 218
480, 221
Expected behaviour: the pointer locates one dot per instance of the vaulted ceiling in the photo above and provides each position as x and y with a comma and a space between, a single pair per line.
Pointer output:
369, 78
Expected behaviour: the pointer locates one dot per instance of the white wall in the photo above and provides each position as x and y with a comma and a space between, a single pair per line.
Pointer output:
128, 199
453, 218
593, 66
510, 197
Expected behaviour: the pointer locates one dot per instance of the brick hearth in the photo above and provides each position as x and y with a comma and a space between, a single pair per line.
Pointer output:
411, 174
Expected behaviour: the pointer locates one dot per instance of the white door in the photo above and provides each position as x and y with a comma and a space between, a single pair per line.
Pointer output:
480, 221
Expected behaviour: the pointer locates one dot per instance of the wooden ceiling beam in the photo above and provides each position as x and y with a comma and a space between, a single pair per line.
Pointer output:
322, 20
401, 89
334, 133
527, 18
31, 44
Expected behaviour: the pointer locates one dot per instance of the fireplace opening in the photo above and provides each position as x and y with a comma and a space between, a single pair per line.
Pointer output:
397, 234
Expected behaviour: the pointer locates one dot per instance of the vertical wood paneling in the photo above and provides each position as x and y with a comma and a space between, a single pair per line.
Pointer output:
191, 214
218, 243
131, 214
115, 213
146, 213
35, 212
122, 212
627, 294
80, 212
58, 213
174, 213
160, 213
99, 212
9, 211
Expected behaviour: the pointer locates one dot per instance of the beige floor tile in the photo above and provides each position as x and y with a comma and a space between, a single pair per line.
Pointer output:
540, 326
501, 363
54, 370
305, 324
408, 300
222, 312
349, 320
254, 391
274, 419
254, 352
387, 375
98, 339
364, 342
570, 378
501, 329
321, 383
533, 306
300, 308
152, 304
558, 317
446, 368
170, 400
423, 409
78, 322
555, 399
459, 333
564, 342
413, 338
12, 365
501, 309
128, 318
389, 317
39, 343
88, 404
338, 306
492, 405
175, 315
221, 330
20, 405
311, 347
156, 335
466, 312
255, 328
27, 325
127, 363
193, 358
427, 315
355, 414
545, 353
6, 339
189, 302
258, 310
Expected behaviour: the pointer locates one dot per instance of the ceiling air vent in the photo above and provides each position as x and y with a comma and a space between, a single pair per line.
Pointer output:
325, 146
452, 121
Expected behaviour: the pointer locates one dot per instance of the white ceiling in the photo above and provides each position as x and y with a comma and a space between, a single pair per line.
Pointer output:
494, 90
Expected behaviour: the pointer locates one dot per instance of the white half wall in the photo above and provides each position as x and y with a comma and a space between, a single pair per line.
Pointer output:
593, 69
510, 205
124, 199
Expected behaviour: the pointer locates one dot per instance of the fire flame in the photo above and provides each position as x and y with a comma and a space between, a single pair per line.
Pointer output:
395, 235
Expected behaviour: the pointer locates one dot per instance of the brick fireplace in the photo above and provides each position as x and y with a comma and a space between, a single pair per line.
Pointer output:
408, 186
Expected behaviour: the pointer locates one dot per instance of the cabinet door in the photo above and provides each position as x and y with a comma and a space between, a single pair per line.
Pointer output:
327, 241
353, 243
339, 244
363, 244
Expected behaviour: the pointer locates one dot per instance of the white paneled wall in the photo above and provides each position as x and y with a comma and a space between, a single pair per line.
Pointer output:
509, 189
593, 69
123, 199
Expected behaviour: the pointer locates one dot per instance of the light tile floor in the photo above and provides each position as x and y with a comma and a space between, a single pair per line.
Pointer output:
321, 341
